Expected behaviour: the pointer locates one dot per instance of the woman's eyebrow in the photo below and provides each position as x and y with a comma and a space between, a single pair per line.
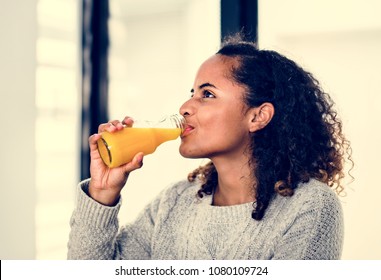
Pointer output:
204, 85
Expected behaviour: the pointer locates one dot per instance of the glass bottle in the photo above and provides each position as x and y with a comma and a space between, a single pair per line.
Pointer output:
120, 147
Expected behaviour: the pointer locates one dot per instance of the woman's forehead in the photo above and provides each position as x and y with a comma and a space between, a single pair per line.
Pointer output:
218, 65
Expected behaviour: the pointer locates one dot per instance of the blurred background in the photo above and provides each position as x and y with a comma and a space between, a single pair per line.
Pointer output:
68, 65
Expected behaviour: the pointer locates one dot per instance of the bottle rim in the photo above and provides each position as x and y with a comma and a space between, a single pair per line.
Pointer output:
106, 157
179, 121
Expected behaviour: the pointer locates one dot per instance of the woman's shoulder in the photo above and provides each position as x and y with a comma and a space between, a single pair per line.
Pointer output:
316, 190
312, 195
178, 196
180, 191
313, 204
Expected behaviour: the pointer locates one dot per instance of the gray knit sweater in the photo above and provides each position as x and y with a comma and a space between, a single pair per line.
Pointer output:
178, 225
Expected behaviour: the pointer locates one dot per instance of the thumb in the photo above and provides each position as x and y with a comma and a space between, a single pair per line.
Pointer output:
136, 163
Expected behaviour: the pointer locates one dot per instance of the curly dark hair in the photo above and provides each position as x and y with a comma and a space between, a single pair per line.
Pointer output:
304, 139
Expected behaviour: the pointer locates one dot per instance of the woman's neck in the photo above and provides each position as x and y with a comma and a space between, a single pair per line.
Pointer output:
235, 183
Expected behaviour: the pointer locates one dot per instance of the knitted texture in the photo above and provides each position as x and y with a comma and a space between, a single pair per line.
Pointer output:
179, 225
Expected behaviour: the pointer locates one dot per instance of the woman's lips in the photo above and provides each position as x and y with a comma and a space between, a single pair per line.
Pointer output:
188, 129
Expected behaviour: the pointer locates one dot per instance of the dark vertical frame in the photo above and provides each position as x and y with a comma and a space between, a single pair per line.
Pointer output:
95, 42
239, 15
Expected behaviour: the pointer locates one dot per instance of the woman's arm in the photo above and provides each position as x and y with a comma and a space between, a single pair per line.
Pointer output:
94, 223
95, 231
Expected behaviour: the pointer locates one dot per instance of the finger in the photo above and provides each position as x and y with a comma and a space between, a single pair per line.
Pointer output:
136, 163
128, 121
117, 124
103, 127
111, 126
93, 141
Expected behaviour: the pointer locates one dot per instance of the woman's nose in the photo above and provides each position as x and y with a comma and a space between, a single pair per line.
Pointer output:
186, 109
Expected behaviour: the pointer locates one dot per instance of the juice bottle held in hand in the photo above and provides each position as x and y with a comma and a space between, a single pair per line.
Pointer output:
120, 147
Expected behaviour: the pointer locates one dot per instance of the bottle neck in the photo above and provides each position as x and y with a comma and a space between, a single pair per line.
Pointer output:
178, 121
168, 121
169, 128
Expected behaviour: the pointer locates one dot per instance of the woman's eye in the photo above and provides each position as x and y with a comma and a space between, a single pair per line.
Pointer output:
208, 94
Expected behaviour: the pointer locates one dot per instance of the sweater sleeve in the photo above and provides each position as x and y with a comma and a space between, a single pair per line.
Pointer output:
95, 233
316, 233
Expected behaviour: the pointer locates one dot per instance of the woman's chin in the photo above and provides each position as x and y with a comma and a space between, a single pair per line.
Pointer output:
189, 154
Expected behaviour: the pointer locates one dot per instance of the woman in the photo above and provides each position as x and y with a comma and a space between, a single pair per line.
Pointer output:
277, 157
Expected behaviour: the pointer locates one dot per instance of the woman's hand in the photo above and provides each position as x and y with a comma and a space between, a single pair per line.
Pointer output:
106, 183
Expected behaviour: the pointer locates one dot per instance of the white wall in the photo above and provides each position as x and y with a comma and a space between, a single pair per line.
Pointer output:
17, 116
340, 42
166, 45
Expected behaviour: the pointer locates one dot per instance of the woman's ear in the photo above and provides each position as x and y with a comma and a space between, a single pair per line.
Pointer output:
260, 116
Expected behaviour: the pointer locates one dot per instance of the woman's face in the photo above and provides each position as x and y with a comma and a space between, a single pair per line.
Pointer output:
215, 113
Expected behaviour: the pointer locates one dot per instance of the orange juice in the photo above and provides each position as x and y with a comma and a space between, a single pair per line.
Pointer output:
120, 147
